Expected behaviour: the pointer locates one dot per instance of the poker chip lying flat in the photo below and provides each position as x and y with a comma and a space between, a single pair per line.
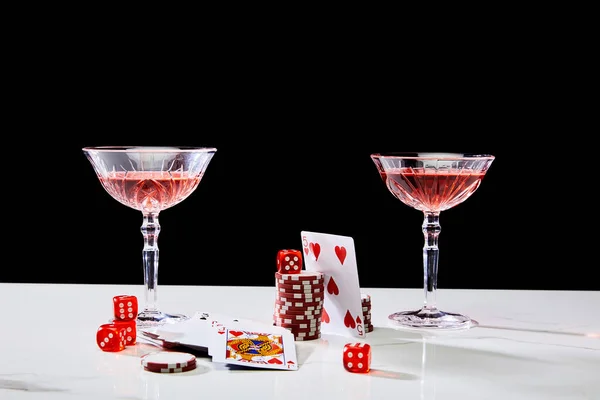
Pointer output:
302, 276
168, 360
171, 370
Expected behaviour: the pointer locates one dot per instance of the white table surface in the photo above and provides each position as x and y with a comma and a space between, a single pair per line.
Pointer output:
529, 345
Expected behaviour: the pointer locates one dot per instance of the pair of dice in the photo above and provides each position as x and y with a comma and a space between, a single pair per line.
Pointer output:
122, 330
357, 357
289, 261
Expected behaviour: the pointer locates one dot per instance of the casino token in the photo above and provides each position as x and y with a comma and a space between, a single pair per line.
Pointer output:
301, 296
167, 359
365, 297
287, 321
302, 276
297, 317
311, 324
283, 301
293, 311
291, 282
307, 338
171, 370
306, 331
290, 299
300, 304
300, 291
297, 286
298, 311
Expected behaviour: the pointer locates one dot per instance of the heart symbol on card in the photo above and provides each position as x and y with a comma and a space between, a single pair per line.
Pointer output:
349, 321
306, 250
325, 317
332, 287
340, 252
236, 333
275, 361
316, 249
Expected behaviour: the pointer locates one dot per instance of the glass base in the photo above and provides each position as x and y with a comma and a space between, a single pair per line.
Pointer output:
151, 319
430, 318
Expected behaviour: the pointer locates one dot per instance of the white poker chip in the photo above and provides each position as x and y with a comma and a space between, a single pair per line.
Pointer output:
168, 360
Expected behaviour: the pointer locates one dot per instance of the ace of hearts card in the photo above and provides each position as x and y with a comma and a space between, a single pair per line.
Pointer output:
335, 257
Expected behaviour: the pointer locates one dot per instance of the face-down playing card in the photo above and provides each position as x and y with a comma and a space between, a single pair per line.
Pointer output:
335, 257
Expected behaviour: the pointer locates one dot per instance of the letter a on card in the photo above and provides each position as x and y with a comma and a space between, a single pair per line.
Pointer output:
334, 256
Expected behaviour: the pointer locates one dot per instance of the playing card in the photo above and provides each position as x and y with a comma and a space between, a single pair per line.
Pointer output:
272, 349
334, 256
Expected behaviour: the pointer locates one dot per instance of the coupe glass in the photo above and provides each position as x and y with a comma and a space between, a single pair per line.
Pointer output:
150, 179
431, 183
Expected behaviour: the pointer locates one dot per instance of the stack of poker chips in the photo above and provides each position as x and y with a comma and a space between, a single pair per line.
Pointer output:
299, 303
366, 308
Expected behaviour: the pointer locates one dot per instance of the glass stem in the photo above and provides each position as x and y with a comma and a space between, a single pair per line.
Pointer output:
431, 231
150, 230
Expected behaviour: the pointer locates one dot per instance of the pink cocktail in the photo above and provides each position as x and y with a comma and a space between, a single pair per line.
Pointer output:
150, 190
150, 180
431, 183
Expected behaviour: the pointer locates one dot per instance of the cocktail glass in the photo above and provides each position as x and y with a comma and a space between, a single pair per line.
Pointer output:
150, 180
431, 183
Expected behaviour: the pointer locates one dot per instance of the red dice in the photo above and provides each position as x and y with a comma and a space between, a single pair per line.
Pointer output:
130, 327
357, 357
125, 307
289, 261
111, 337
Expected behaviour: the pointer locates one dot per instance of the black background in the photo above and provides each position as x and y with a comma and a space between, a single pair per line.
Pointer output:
294, 126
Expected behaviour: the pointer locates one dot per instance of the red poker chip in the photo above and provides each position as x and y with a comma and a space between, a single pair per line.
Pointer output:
307, 331
300, 338
365, 297
167, 359
302, 276
297, 311
304, 284
297, 303
311, 324
296, 317
306, 339
315, 290
301, 296
171, 370
299, 286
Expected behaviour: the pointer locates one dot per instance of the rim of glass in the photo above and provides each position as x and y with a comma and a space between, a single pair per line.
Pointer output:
433, 156
149, 149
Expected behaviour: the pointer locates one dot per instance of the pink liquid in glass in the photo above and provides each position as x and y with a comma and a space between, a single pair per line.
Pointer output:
150, 191
432, 190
